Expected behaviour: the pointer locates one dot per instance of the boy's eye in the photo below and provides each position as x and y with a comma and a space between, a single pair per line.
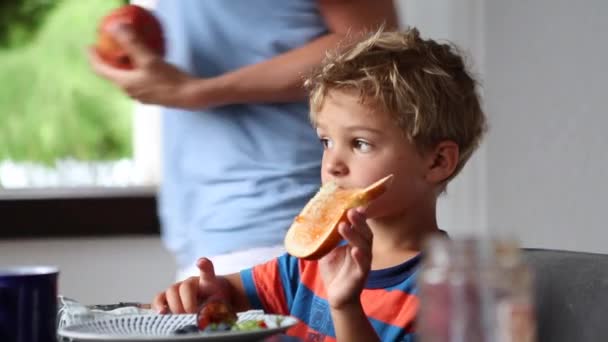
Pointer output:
326, 142
362, 145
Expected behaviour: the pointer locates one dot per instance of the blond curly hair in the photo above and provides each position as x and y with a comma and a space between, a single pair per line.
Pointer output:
422, 84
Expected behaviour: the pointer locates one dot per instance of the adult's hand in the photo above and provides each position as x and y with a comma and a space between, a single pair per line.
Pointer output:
152, 80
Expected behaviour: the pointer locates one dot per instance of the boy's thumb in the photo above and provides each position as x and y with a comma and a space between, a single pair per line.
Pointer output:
206, 267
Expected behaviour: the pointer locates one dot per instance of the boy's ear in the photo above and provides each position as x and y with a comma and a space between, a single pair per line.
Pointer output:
442, 161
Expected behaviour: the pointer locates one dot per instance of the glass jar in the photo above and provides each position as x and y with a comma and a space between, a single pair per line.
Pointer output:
475, 290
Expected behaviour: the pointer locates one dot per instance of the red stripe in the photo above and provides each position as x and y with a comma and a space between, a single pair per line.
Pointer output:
391, 307
311, 277
268, 283
302, 331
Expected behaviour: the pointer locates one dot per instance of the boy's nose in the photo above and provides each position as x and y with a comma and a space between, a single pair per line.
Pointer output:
336, 168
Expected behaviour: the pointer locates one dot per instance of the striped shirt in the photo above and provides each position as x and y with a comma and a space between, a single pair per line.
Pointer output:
290, 286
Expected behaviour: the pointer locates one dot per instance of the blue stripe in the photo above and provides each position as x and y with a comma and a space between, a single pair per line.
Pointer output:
412, 283
408, 285
388, 332
313, 311
250, 289
290, 277
392, 276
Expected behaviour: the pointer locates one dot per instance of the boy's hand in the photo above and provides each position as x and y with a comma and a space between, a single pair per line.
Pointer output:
152, 80
187, 295
344, 270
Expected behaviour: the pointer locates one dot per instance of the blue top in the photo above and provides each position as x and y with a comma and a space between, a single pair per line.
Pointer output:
288, 286
235, 176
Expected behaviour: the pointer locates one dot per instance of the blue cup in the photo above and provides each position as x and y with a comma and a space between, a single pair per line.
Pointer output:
28, 304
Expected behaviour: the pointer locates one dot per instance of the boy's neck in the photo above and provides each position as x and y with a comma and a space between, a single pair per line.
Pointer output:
399, 238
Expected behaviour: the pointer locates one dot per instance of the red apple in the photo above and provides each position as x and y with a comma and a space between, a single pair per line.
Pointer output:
145, 26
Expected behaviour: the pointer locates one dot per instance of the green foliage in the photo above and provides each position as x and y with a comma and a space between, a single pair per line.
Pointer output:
51, 104
20, 19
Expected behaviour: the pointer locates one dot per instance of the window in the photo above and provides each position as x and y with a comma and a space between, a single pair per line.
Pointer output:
60, 125
68, 139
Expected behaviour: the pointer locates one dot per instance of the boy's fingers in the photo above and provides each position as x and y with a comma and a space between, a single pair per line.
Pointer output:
353, 237
358, 221
159, 304
173, 300
188, 292
207, 271
361, 209
333, 255
360, 259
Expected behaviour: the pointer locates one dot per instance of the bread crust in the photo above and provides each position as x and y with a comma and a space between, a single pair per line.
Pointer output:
314, 232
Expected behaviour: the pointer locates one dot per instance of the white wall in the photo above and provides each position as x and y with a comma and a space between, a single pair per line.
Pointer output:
98, 271
541, 172
546, 92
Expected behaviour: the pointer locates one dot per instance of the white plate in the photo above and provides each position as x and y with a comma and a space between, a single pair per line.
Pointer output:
159, 328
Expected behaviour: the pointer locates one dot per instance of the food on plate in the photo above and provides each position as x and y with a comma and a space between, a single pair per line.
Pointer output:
186, 329
143, 23
314, 232
215, 314
249, 325
255, 324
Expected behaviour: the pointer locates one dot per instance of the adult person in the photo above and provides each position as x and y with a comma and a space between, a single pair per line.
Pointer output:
240, 158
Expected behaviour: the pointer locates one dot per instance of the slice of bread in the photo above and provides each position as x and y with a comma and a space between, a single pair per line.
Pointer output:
314, 232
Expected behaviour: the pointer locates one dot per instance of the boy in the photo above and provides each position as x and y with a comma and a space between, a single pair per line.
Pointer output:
392, 103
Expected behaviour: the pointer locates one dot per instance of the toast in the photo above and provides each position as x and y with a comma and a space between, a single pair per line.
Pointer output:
314, 232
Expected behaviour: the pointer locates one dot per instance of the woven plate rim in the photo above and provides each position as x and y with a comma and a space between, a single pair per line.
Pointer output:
83, 331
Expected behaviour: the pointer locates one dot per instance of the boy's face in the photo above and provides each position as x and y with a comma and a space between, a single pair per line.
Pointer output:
361, 146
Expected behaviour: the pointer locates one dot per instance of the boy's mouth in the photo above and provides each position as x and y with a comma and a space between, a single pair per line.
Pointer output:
338, 184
